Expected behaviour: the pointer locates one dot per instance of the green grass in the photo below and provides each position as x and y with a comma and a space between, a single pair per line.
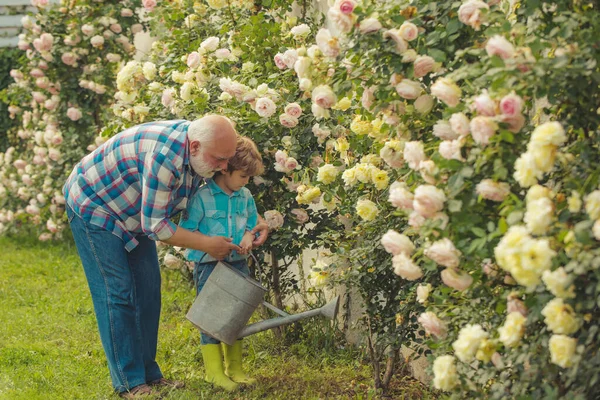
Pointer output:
50, 348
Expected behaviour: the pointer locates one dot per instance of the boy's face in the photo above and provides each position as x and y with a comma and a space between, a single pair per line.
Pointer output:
235, 180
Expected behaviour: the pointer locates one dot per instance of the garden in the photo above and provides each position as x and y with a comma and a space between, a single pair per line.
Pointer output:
435, 162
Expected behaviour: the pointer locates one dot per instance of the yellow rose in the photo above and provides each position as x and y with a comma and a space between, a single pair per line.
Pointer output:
343, 104
592, 204
360, 127
513, 329
526, 170
380, 179
349, 176
486, 350
327, 174
444, 371
366, 209
341, 144
217, 4
549, 133
574, 202
562, 350
543, 156
560, 317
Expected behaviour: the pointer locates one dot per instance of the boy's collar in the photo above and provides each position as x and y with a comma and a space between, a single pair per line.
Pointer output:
214, 188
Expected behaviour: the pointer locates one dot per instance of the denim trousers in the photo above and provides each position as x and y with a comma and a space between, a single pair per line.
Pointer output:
201, 273
125, 288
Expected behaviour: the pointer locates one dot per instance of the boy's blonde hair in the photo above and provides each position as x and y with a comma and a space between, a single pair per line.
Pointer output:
247, 158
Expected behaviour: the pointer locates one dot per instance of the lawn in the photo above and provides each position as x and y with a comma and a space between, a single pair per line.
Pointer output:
50, 349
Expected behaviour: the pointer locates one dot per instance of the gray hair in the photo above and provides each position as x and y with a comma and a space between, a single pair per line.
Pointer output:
204, 130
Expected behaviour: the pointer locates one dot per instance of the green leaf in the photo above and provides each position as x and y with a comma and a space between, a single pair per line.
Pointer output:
478, 232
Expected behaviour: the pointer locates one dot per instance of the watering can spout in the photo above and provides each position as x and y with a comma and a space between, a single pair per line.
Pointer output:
329, 311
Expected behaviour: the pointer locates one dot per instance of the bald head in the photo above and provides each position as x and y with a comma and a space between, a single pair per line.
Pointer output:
212, 141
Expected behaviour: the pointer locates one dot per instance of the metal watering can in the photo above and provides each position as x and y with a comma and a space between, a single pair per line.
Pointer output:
228, 299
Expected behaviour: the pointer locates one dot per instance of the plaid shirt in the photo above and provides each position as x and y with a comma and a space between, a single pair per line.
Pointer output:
135, 182
213, 212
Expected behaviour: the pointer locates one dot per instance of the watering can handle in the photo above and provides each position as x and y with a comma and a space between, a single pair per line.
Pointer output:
257, 267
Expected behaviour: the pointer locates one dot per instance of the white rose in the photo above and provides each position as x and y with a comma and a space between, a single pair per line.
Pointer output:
300, 31
490, 190
423, 292
414, 154
210, 44
400, 196
428, 200
444, 131
451, 150
265, 107
460, 124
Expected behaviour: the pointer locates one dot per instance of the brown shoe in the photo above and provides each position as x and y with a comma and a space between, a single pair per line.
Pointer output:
137, 392
167, 383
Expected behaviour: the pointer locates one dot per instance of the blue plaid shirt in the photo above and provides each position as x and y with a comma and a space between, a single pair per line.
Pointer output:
213, 212
135, 182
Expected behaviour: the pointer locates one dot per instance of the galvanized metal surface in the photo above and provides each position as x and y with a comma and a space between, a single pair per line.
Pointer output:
225, 304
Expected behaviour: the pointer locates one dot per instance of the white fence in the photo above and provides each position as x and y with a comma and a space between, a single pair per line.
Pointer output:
11, 12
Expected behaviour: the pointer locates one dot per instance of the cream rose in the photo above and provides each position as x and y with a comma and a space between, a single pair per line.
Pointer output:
396, 243
433, 325
513, 329
498, 46
490, 190
405, 268
456, 279
460, 124
428, 200
447, 91
323, 96
444, 253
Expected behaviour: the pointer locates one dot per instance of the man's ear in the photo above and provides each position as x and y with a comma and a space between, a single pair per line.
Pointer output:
195, 147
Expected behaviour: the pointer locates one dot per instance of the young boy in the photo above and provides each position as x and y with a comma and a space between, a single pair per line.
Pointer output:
224, 207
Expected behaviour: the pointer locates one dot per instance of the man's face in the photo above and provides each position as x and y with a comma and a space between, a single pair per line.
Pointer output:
210, 158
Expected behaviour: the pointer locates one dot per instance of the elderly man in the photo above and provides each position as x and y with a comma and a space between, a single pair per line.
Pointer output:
119, 201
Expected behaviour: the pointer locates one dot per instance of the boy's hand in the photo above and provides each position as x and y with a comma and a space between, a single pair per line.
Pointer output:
263, 228
246, 243
219, 247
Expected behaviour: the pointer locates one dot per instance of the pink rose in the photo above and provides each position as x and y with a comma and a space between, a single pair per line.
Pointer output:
422, 66
274, 219
74, 114
347, 6
223, 54
38, 97
482, 129
116, 28
293, 110
494, 191
424, 103
456, 279
368, 97
149, 4
433, 325
37, 73
396, 243
87, 29
300, 215
515, 122
193, 59
44, 42
126, 12
42, 83
323, 96
167, 98
69, 58
136, 28
408, 31
498, 46
485, 105
16, 74
444, 253
511, 104
279, 62
288, 121
515, 305
291, 164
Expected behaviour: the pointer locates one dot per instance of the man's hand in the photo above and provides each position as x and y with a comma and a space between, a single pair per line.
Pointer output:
263, 228
219, 247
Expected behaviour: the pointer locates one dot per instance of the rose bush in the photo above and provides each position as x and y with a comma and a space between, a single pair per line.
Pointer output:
446, 154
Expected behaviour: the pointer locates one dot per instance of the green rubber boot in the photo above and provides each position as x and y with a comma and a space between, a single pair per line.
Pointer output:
213, 364
233, 363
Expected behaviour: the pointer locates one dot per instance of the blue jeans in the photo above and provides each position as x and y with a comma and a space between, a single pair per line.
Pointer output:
201, 273
125, 288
